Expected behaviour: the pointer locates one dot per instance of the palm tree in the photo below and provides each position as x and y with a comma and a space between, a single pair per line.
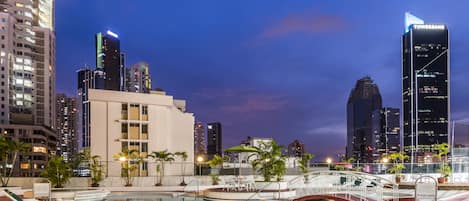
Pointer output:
57, 171
130, 160
9, 150
94, 163
398, 159
304, 165
161, 158
269, 160
184, 157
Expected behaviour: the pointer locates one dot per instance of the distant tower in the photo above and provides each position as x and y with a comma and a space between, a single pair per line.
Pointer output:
214, 139
138, 78
425, 87
108, 61
296, 149
85, 81
363, 100
66, 116
386, 132
199, 139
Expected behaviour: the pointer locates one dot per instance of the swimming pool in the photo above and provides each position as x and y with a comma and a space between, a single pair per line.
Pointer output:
149, 196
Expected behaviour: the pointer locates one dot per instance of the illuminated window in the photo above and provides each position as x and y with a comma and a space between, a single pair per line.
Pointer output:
24, 165
39, 149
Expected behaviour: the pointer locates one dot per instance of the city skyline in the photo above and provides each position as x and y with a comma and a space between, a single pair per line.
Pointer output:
257, 74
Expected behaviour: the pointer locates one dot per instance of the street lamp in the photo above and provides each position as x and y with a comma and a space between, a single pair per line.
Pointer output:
329, 161
384, 161
200, 159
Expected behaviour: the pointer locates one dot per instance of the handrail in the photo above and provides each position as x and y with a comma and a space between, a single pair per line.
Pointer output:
378, 181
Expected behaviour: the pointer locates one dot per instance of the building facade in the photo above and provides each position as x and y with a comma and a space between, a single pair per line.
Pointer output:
142, 122
363, 100
66, 109
138, 78
214, 139
27, 77
425, 87
386, 132
199, 139
296, 149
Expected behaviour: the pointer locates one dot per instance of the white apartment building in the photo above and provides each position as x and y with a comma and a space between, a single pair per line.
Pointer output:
142, 122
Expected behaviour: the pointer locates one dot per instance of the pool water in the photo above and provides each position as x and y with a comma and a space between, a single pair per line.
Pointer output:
148, 196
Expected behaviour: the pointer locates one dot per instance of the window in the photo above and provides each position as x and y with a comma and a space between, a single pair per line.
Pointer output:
124, 111
39, 150
144, 128
144, 147
125, 146
124, 128
145, 109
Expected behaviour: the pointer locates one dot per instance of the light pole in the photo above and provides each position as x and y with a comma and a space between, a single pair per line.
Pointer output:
329, 161
384, 161
123, 160
200, 160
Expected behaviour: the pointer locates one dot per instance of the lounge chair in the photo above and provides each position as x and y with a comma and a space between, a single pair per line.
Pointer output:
15, 197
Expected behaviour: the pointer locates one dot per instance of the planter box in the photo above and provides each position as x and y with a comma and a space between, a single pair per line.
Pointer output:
273, 185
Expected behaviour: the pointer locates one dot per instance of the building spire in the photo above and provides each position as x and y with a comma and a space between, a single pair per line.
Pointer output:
411, 20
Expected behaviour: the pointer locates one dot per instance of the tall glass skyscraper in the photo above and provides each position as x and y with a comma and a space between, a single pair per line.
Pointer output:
108, 60
425, 87
363, 100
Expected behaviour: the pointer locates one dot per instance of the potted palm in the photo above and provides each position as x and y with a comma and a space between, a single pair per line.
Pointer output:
130, 162
442, 156
398, 159
216, 164
57, 171
161, 158
96, 168
304, 165
269, 161
183, 156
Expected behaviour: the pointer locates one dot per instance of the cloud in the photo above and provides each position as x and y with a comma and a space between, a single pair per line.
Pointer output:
338, 129
257, 103
305, 22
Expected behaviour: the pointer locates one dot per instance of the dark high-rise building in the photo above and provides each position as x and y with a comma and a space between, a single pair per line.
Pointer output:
108, 60
363, 100
386, 132
425, 87
66, 113
199, 139
296, 149
214, 139
86, 80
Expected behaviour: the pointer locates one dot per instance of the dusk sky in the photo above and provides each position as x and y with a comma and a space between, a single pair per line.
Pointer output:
269, 68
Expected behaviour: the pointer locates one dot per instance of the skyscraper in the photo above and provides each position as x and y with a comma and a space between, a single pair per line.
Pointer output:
27, 90
214, 139
386, 132
425, 87
296, 149
363, 100
66, 108
138, 78
199, 139
108, 61
85, 81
